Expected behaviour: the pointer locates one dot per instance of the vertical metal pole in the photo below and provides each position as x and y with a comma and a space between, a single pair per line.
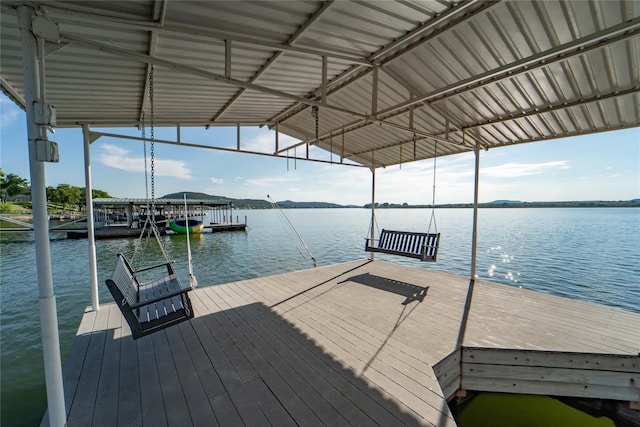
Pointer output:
238, 130
227, 58
324, 81
373, 208
374, 92
47, 299
91, 232
474, 244
474, 237
277, 137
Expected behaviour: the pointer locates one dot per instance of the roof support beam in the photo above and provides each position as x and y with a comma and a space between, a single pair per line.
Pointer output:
125, 22
581, 46
357, 124
431, 25
325, 6
12, 92
227, 58
209, 147
556, 107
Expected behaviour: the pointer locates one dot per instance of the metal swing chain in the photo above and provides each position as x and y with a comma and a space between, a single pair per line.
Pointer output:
433, 199
315, 113
154, 226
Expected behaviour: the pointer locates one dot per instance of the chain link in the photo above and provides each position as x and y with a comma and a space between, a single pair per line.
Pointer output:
315, 113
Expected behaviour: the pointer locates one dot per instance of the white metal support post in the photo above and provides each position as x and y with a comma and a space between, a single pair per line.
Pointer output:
47, 302
91, 231
373, 208
474, 249
474, 236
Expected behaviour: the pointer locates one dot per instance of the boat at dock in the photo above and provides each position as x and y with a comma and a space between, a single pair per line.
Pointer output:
182, 226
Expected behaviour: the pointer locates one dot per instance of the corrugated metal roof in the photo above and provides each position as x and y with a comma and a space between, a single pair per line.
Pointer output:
448, 73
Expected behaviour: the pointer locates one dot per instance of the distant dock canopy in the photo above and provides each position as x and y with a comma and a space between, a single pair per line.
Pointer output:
116, 217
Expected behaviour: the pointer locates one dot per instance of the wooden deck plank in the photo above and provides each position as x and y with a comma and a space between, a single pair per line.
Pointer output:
129, 405
177, 412
311, 385
207, 328
213, 368
107, 395
85, 398
312, 347
151, 403
343, 380
196, 399
350, 348
75, 361
288, 395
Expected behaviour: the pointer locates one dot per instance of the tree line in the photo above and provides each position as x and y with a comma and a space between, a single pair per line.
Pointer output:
12, 185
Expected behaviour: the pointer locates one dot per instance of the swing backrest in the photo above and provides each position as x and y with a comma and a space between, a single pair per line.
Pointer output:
125, 281
423, 246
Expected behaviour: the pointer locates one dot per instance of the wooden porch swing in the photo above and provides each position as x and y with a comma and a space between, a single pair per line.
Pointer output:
411, 244
159, 302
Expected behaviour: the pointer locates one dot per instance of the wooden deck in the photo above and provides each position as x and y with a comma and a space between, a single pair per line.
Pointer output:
315, 347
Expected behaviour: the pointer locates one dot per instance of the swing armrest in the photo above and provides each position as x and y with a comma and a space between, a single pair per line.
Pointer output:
369, 243
167, 264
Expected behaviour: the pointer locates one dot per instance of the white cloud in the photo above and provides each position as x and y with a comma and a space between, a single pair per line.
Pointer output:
119, 158
269, 181
216, 180
265, 142
9, 112
514, 169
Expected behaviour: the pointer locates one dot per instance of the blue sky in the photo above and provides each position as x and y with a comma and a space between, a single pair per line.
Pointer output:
603, 166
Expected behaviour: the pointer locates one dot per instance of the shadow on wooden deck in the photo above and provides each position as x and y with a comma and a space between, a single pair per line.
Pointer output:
241, 366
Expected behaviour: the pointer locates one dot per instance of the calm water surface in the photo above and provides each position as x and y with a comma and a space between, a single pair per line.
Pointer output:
587, 254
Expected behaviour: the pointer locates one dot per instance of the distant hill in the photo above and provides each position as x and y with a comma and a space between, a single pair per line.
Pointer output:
252, 203
306, 205
504, 202
289, 204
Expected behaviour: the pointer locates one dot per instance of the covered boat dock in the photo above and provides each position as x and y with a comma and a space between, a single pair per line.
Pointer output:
375, 84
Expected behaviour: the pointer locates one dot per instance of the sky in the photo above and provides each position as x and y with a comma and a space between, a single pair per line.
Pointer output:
602, 166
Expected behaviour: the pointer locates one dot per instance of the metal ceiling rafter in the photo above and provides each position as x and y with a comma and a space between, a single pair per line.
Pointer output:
559, 53
12, 92
81, 13
95, 135
418, 32
220, 35
594, 41
90, 44
303, 28
578, 47
359, 124
58, 10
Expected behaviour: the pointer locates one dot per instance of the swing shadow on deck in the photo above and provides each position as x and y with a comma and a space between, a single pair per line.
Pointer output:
422, 246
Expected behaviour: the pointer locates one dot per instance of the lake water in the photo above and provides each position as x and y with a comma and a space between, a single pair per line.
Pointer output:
587, 254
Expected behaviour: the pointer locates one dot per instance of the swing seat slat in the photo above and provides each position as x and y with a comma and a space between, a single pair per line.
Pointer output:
422, 246
150, 306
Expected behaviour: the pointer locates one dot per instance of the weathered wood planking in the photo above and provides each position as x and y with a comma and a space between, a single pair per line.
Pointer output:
313, 347
610, 376
448, 373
